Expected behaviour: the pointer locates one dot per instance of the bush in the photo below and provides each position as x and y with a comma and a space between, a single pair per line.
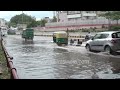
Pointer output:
103, 26
115, 28
85, 30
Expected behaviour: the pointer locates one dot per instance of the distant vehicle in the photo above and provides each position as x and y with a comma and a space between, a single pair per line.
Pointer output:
108, 41
28, 34
60, 38
11, 32
54, 37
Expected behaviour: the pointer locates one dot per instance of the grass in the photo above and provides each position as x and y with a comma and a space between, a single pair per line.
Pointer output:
3, 64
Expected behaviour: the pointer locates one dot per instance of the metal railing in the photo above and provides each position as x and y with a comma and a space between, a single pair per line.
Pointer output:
13, 71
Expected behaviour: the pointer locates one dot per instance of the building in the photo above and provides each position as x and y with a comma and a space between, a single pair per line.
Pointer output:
65, 16
3, 22
74, 20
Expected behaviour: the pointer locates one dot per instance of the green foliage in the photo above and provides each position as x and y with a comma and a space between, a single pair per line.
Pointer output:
116, 16
3, 65
32, 24
43, 22
38, 22
29, 20
54, 19
107, 15
23, 19
113, 15
115, 28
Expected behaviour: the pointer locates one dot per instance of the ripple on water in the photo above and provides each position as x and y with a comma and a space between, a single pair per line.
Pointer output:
44, 59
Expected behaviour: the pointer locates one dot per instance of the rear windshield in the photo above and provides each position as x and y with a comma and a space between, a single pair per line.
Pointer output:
116, 35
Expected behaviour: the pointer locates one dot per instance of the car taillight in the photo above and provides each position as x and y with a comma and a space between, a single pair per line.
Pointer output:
114, 41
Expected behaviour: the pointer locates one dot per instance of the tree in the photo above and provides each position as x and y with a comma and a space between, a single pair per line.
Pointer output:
116, 16
54, 19
108, 15
32, 24
23, 19
43, 22
38, 22
112, 15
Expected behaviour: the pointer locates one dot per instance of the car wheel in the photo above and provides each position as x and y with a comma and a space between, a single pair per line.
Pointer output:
108, 49
88, 47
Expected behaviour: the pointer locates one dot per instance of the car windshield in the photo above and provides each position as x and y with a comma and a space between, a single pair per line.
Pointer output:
116, 35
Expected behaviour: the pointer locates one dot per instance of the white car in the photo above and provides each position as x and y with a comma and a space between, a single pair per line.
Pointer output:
108, 41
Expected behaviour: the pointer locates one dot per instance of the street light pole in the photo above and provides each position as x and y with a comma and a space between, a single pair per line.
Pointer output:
22, 17
67, 36
109, 21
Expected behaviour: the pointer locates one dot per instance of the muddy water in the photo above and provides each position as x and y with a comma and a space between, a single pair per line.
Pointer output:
43, 59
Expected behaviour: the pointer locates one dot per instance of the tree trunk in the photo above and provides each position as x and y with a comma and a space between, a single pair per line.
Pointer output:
109, 25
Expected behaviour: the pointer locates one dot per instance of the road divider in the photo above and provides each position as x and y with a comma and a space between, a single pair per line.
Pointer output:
69, 36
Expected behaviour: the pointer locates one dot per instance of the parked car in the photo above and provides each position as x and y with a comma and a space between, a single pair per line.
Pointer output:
108, 41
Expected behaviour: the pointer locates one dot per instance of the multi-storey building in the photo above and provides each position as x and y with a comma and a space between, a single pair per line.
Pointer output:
64, 16
74, 20
3, 22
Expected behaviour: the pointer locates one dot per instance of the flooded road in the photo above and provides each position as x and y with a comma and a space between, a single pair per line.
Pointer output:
43, 59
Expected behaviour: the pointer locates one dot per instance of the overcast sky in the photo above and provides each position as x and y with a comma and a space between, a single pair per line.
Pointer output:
38, 14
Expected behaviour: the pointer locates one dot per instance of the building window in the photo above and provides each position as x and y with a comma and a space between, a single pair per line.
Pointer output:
73, 12
90, 11
87, 11
69, 19
87, 17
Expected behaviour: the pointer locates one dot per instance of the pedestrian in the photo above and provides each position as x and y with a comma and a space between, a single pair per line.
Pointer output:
87, 37
79, 42
71, 42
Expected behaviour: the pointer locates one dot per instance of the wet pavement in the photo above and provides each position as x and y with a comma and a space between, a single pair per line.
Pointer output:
43, 59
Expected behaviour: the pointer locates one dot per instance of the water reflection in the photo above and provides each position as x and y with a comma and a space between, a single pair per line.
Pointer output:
69, 65
107, 66
62, 69
27, 42
115, 64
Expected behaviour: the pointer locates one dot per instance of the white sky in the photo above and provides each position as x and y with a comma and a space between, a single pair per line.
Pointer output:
38, 14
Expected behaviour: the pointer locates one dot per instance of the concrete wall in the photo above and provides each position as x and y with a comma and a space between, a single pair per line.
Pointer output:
82, 22
63, 17
74, 25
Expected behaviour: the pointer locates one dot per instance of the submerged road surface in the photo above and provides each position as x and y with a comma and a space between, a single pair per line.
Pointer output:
43, 59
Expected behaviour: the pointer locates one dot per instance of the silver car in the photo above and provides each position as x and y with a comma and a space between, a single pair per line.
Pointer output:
108, 41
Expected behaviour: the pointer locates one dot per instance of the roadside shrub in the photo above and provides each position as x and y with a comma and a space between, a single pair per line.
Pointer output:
115, 28
103, 26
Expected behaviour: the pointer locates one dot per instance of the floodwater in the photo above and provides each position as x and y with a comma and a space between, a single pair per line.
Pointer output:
43, 59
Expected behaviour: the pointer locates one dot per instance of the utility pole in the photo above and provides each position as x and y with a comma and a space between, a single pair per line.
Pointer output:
109, 21
22, 17
57, 16
67, 36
